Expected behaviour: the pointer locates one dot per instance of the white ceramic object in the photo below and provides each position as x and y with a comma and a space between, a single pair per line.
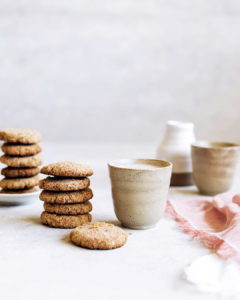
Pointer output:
139, 190
18, 199
176, 148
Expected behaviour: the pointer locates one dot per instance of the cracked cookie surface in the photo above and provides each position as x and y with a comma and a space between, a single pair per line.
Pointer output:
64, 221
19, 183
68, 209
20, 150
64, 184
98, 235
20, 135
67, 169
66, 197
24, 161
11, 172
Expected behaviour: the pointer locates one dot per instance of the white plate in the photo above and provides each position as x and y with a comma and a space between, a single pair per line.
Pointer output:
16, 199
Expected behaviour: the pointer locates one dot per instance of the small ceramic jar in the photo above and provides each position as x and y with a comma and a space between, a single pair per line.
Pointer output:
176, 148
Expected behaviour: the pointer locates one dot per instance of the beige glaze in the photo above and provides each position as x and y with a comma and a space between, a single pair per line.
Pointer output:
139, 190
214, 165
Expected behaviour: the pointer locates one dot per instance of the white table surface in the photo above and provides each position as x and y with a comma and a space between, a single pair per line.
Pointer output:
38, 262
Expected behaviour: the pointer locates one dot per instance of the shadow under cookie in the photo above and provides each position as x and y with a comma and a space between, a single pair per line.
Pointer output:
32, 220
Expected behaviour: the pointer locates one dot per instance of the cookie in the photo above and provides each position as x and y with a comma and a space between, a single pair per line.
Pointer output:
64, 184
98, 235
23, 191
68, 209
11, 172
61, 221
19, 183
20, 150
24, 161
67, 169
66, 197
20, 135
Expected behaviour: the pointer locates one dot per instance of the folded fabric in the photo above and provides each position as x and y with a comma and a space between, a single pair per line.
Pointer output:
214, 221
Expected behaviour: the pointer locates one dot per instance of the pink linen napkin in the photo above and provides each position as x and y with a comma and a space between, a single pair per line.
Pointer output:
214, 221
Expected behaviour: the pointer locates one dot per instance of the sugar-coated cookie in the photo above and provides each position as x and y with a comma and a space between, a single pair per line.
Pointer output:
64, 184
66, 197
22, 191
24, 161
20, 150
11, 172
67, 169
98, 235
61, 221
68, 209
19, 183
20, 135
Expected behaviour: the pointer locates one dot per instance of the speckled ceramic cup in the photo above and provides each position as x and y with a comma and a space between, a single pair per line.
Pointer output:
214, 165
139, 190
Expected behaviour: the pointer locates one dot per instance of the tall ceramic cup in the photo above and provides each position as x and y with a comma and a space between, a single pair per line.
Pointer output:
214, 165
139, 190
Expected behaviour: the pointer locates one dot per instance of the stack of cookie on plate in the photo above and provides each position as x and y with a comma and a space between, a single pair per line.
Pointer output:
65, 194
21, 155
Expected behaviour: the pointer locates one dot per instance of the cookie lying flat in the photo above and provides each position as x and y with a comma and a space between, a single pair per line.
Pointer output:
60, 221
66, 197
98, 235
67, 169
11, 172
64, 184
20, 135
20, 150
24, 161
68, 209
22, 191
19, 183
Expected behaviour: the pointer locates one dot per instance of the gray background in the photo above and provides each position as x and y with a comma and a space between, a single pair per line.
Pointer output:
98, 71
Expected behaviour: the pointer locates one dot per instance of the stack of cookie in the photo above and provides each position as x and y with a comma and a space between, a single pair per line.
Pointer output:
65, 194
22, 159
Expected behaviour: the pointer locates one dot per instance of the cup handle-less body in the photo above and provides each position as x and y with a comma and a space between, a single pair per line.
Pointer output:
139, 196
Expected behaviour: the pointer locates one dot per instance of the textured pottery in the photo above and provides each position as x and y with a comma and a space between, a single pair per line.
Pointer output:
214, 165
176, 148
139, 190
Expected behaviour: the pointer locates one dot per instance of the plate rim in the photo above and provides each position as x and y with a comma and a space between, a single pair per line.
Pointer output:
12, 195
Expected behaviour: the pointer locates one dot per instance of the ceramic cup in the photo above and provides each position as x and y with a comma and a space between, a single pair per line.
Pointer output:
139, 190
214, 165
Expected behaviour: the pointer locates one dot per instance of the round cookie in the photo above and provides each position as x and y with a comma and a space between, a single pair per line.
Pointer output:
11, 172
66, 197
64, 184
61, 221
19, 183
98, 235
20, 150
24, 161
20, 135
23, 191
67, 169
68, 209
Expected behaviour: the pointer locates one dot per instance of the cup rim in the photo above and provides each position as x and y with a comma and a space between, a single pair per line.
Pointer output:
114, 164
204, 144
